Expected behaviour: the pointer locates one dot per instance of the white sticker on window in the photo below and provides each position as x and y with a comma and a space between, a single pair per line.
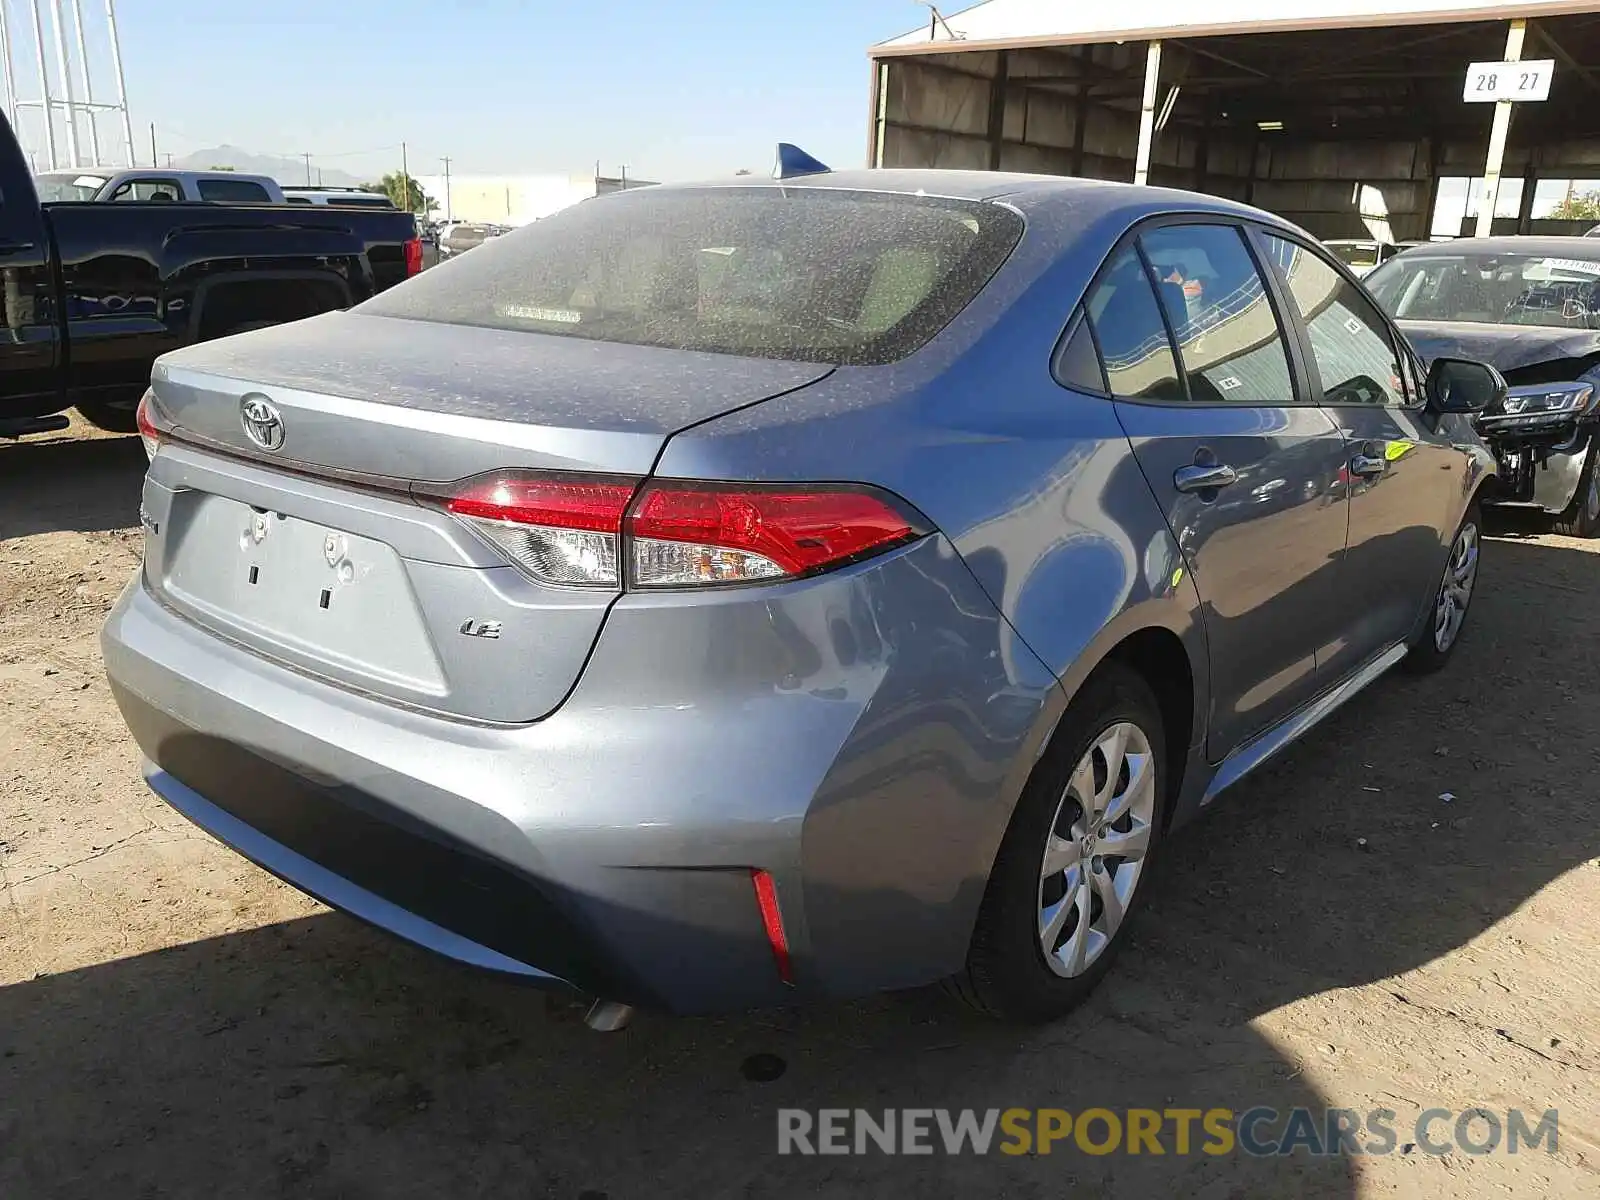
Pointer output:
1353, 325
559, 316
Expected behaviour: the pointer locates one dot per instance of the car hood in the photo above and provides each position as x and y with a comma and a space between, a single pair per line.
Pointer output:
1505, 347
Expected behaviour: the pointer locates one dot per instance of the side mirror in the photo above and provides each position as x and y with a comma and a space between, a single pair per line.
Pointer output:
1459, 385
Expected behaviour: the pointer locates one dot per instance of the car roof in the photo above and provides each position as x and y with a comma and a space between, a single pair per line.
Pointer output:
1088, 198
1550, 244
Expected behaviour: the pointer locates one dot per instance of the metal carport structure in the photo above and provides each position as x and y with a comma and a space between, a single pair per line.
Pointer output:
1291, 112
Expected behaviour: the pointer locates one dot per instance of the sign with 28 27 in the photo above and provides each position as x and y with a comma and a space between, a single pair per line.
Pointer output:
1488, 81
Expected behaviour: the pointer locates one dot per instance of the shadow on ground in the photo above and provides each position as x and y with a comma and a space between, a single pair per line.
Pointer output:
317, 1059
83, 484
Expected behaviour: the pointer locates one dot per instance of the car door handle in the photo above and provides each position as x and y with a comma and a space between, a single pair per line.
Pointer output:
1203, 477
15, 247
1368, 466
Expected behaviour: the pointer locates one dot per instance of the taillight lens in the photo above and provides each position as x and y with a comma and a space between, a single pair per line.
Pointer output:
578, 532
559, 531
148, 433
413, 257
694, 533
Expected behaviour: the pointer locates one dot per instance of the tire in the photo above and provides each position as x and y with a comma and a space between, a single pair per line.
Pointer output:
1007, 975
113, 418
1430, 650
1582, 517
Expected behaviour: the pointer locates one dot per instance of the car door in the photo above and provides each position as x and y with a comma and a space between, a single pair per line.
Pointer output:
1404, 481
1242, 460
29, 344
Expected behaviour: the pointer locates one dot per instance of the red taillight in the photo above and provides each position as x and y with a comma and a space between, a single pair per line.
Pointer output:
559, 530
148, 433
705, 533
772, 921
578, 531
413, 256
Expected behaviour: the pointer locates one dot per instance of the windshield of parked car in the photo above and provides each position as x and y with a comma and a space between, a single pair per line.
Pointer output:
56, 187
805, 273
1491, 288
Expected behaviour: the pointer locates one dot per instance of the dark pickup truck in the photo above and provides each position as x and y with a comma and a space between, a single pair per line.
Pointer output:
93, 293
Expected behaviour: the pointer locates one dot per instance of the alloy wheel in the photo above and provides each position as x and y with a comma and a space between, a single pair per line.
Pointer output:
1096, 848
1455, 591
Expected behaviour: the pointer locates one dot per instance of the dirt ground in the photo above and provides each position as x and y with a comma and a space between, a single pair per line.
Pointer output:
174, 1022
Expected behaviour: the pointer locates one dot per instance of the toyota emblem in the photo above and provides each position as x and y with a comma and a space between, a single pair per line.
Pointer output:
262, 423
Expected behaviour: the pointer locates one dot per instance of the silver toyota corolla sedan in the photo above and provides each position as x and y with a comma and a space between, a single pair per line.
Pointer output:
715, 595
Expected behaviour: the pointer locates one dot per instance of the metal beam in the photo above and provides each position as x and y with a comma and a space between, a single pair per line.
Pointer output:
44, 88
1559, 53
1497, 136
1147, 113
997, 109
1223, 59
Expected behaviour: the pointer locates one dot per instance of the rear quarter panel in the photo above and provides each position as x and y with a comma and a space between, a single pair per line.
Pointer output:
1034, 485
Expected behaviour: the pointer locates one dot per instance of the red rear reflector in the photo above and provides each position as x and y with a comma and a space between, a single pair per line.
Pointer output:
413, 256
596, 507
772, 919
796, 530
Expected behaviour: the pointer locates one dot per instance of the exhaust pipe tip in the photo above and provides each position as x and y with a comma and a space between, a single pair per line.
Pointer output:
608, 1016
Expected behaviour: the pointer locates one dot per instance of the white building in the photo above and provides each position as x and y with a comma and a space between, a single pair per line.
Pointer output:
514, 199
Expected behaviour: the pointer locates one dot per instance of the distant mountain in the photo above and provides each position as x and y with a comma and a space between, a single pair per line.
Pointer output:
285, 170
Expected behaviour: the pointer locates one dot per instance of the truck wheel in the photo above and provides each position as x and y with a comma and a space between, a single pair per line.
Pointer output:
1070, 872
1582, 518
113, 418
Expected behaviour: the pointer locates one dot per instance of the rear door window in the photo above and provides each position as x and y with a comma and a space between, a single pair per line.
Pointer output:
811, 274
1229, 340
1134, 346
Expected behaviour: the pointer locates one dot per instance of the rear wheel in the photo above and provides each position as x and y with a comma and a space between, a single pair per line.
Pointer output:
1070, 870
1441, 633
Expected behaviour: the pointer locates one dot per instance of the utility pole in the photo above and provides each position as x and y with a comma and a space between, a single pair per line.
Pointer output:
405, 178
155, 159
169, 160
624, 186
88, 84
307, 157
66, 80
447, 212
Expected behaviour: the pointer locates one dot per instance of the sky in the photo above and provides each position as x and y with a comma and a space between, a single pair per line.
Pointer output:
700, 87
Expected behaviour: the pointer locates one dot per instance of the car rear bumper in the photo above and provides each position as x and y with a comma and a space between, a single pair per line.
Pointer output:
861, 737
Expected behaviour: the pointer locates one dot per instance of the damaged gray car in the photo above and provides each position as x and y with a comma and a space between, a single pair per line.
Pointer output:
1529, 306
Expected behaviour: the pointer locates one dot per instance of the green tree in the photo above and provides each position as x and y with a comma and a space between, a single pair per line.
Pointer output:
222, 168
1585, 206
404, 191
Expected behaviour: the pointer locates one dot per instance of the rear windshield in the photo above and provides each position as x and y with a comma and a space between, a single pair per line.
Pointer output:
799, 273
233, 191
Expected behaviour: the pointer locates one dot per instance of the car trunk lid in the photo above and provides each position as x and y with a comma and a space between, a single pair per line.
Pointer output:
322, 555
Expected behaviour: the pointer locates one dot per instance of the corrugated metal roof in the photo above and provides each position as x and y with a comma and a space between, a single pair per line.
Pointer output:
1004, 24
